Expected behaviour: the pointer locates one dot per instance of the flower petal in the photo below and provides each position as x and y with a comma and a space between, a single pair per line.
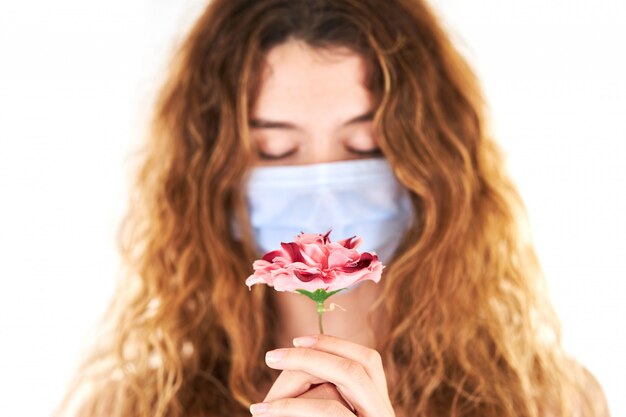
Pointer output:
351, 242
294, 251
305, 276
269, 256
364, 261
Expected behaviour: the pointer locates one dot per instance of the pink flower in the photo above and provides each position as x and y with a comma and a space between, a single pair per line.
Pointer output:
312, 262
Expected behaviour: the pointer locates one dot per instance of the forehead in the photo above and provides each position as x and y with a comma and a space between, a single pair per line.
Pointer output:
300, 81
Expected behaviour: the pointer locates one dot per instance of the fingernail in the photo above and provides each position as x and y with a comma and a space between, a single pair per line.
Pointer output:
259, 408
274, 355
304, 341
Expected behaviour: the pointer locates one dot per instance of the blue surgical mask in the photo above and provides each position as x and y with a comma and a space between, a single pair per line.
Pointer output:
359, 197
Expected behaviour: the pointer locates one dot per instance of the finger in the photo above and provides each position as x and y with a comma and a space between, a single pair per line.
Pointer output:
291, 384
349, 376
326, 391
370, 359
302, 407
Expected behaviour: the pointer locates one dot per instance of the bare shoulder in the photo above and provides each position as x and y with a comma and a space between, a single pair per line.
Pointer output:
591, 402
594, 392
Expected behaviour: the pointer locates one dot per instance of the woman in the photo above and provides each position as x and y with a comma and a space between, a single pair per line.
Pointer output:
262, 90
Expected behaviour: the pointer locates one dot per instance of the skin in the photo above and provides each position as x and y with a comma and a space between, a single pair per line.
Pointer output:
319, 94
339, 375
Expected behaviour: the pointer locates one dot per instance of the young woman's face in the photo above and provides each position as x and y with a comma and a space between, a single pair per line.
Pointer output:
312, 108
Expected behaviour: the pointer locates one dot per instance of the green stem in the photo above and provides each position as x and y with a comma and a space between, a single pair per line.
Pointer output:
320, 311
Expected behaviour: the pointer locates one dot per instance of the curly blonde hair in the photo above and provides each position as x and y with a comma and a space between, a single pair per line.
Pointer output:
470, 330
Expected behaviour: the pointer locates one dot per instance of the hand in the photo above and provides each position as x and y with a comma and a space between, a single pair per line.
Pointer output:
325, 391
355, 370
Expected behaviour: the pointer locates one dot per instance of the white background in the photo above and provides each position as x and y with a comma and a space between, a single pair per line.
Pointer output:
76, 81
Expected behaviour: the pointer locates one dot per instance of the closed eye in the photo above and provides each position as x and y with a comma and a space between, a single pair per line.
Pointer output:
370, 152
272, 157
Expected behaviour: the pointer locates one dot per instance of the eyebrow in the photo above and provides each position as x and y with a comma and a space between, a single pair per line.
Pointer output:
275, 124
